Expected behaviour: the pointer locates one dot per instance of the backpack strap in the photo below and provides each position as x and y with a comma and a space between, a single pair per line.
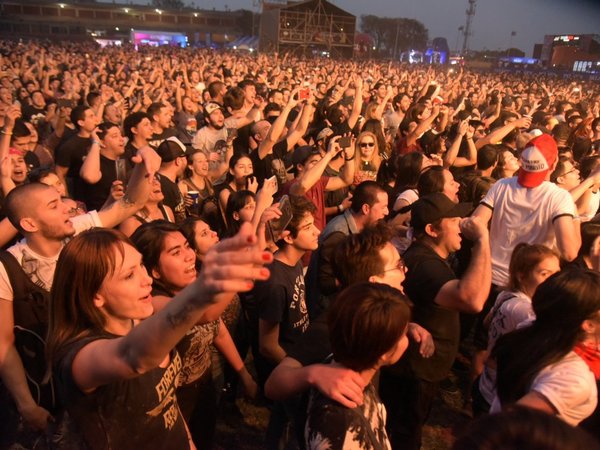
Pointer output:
30, 314
17, 277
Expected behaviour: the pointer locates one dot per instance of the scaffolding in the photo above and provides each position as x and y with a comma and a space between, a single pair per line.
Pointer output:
307, 28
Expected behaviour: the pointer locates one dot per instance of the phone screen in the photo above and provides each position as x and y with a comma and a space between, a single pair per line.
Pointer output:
276, 227
304, 94
121, 167
345, 141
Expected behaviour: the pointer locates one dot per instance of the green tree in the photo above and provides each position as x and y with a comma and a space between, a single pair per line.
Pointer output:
395, 35
168, 4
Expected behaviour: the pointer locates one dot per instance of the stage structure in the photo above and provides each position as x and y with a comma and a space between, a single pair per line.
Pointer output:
308, 28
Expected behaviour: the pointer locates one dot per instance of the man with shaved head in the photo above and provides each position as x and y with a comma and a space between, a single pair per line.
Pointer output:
38, 212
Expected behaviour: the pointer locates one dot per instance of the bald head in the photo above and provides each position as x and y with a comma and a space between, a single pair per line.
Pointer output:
261, 128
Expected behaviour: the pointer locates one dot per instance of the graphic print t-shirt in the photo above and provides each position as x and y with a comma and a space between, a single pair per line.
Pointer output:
331, 426
138, 413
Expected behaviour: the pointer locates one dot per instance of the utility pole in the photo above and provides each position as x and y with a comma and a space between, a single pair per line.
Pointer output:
396, 41
467, 31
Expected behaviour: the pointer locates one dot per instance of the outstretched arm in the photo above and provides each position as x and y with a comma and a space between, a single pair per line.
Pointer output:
229, 267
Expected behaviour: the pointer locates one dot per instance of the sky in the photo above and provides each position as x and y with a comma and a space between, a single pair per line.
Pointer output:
492, 24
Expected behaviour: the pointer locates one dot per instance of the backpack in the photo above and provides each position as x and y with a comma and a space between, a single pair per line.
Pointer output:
30, 311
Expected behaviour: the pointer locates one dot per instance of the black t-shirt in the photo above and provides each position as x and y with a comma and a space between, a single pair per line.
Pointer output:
427, 273
173, 198
334, 198
34, 114
71, 154
341, 128
157, 139
313, 346
242, 140
139, 413
94, 195
281, 300
130, 151
32, 160
271, 164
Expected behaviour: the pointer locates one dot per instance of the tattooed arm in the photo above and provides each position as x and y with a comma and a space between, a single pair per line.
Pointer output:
229, 267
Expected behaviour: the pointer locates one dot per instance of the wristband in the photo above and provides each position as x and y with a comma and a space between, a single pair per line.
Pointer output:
6, 133
340, 208
349, 159
96, 142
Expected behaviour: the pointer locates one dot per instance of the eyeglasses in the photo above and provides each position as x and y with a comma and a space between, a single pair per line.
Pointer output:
367, 144
76, 211
399, 266
574, 169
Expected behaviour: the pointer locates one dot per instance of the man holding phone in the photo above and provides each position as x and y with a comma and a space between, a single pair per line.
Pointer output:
104, 165
310, 182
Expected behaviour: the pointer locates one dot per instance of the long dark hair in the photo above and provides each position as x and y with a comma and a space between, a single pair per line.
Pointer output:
431, 180
149, 239
232, 162
235, 203
561, 304
408, 171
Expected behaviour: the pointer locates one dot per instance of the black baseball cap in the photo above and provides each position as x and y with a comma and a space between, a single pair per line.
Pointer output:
436, 206
170, 149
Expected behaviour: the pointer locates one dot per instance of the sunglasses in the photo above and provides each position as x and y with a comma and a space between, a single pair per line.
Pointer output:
367, 144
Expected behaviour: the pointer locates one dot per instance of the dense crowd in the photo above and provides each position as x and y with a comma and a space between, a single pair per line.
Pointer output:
323, 233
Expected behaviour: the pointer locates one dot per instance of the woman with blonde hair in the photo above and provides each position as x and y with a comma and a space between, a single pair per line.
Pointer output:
367, 157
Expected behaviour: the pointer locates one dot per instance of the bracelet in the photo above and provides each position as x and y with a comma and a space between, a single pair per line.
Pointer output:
6, 133
340, 208
96, 142
349, 159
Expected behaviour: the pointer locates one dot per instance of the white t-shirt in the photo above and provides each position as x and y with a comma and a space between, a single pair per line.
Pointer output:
510, 310
206, 138
569, 385
409, 196
41, 268
522, 215
592, 206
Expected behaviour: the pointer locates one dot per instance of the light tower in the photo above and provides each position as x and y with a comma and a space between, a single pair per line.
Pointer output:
467, 30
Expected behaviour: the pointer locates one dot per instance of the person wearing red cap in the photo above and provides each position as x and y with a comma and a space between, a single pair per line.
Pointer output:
528, 208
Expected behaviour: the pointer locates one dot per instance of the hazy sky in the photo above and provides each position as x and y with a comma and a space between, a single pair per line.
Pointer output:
492, 25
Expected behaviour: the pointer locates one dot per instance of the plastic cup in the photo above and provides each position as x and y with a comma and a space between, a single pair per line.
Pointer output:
194, 195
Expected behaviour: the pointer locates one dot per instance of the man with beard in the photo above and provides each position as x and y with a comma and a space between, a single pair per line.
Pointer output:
394, 117
26, 274
368, 206
160, 117
207, 136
